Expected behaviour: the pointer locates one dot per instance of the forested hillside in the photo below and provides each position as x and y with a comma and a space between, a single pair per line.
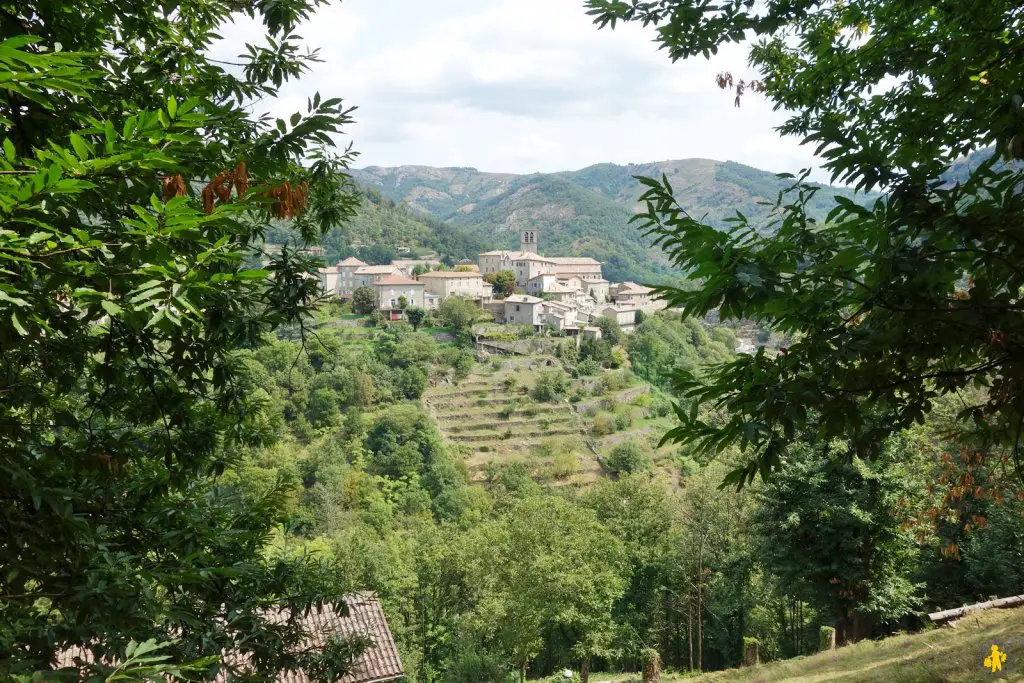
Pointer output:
385, 226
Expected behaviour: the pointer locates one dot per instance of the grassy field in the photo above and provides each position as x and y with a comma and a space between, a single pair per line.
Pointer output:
945, 655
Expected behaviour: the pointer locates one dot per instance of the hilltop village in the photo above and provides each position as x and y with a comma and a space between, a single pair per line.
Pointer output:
561, 293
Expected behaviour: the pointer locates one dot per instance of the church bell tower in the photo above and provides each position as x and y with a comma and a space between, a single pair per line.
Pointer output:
528, 240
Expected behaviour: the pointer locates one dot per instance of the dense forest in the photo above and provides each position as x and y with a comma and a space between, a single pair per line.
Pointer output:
480, 579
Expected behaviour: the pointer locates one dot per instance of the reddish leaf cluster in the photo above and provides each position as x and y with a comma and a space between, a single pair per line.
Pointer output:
219, 189
289, 200
174, 186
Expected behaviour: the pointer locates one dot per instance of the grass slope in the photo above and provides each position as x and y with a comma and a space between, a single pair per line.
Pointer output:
944, 655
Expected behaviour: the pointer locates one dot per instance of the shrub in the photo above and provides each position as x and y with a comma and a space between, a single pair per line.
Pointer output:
561, 677
623, 421
551, 386
564, 465
510, 383
473, 666
628, 457
604, 425
510, 408
364, 300
643, 400
660, 407
588, 367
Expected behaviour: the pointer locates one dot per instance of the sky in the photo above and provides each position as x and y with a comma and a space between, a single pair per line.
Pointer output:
521, 86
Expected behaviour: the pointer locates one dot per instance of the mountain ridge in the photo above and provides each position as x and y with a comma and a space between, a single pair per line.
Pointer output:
585, 212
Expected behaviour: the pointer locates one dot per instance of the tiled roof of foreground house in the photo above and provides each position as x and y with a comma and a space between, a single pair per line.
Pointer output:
378, 663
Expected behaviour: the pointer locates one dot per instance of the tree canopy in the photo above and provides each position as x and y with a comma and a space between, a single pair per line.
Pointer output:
135, 182
893, 304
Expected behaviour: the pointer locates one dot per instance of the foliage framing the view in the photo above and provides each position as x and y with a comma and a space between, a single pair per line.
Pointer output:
134, 185
891, 305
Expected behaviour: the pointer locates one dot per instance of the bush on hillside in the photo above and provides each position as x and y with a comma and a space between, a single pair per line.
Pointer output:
604, 425
551, 386
628, 457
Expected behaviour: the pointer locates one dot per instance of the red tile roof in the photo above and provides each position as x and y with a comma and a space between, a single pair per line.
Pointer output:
378, 663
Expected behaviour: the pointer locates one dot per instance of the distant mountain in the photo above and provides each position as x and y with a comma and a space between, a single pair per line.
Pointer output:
583, 212
961, 169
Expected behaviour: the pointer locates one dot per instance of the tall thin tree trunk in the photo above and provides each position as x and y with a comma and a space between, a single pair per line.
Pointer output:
700, 604
689, 625
585, 670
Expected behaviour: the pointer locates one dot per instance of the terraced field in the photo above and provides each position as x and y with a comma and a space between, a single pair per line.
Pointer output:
492, 419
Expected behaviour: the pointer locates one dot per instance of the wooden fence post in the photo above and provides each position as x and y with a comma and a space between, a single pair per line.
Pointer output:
751, 651
826, 639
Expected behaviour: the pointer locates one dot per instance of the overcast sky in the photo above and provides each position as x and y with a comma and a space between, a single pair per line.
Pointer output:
522, 86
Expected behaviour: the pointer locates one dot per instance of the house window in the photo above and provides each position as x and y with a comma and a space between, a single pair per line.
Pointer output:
517, 307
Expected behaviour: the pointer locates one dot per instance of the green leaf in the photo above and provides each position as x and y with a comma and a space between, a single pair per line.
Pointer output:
111, 307
80, 147
17, 324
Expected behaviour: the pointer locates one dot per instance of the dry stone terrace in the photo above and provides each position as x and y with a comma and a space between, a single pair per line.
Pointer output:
491, 419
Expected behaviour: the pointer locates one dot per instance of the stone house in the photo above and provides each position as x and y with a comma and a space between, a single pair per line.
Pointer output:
339, 280
391, 289
366, 276
329, 280
452, 283
599, 290
541, 283
347, 276
636, 296
625, 316
522, 309
559, 316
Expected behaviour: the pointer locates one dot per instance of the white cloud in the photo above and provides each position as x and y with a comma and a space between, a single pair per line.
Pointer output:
522, 86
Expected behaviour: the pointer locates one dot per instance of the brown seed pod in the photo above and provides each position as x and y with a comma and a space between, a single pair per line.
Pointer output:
174, 186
